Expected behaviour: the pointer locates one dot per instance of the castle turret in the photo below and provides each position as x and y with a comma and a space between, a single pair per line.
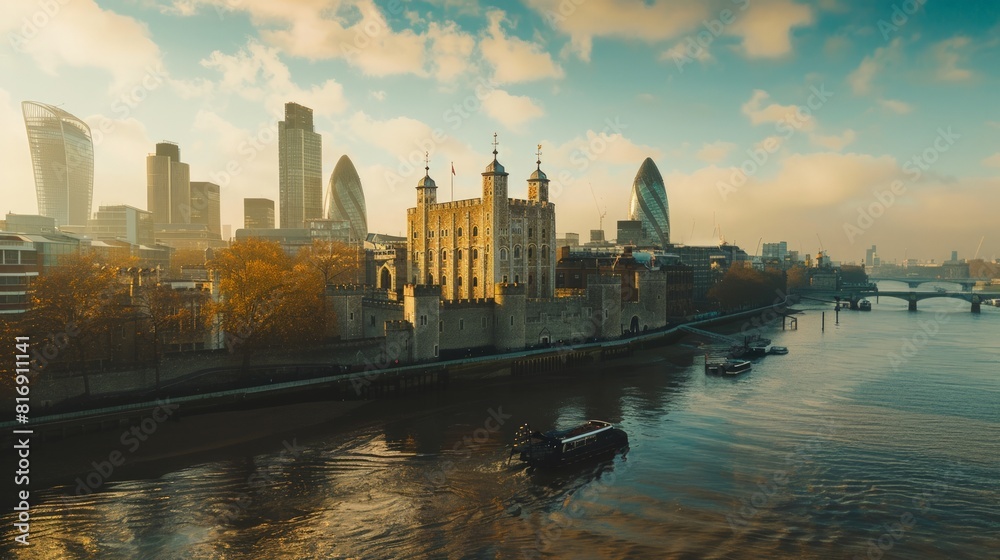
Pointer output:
538, 183
508, 315
497, 240
605, 297
422, 308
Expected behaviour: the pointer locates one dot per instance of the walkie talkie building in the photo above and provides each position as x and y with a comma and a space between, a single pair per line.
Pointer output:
62, 156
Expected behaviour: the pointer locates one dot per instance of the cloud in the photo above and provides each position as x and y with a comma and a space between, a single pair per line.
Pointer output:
948, 55
715, 152
256, 72
515, 60
874, 64
775, 113
80, 34
17, 181
992, 161
766, 27
513, 111
450, 50
624, 19
378, 95
834, 142
898, 107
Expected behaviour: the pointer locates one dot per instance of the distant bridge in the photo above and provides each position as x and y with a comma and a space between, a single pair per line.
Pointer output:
966, 283
853, 296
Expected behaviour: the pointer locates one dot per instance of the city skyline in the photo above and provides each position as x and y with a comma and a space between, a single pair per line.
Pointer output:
895, 151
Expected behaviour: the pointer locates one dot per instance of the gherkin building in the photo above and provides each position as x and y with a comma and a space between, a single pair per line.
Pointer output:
347, 200
649, 205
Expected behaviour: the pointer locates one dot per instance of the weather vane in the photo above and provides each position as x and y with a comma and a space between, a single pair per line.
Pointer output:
495, 142
539, 154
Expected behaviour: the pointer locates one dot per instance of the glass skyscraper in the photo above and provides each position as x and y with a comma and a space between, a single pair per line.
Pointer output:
347, 200
300, 168
649, 205
62, 155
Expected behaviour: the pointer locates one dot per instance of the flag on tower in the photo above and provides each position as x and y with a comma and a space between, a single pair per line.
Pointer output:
452, 168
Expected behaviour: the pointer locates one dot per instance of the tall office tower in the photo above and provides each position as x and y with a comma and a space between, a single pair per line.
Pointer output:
300, 168
347, 199
649, 205
870, 256
258, 213
62, 155
206, 206
168, 185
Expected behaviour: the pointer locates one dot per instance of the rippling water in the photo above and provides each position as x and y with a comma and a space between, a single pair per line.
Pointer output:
869, 440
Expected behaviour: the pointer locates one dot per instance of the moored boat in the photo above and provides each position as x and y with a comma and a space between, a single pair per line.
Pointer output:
728, 367
865, 305
780, 350
557, 448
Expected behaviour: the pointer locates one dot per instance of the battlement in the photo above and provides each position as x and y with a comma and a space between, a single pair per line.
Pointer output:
454, 204
467, 303
422, 290
508, 289
525, 202
382, 304
398, 325
346, 289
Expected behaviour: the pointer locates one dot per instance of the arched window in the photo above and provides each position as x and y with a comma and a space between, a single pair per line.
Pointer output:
517, 278
503, 253
458, 254
444, 255
475, 281
545, 251
444, 280
517, 251
458, 280
430, 256
475, 231
487, 231
531, 280
430, 278
543, 233
531, 251
530, 231
475, 253
460, 232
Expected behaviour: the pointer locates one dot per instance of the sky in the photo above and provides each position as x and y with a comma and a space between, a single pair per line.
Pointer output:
835, 123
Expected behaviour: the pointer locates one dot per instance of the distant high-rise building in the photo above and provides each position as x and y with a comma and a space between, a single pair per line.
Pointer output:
870, 255
168, 185
258, 213
774, 251
122, 222
62, 156
205, 206
649, 205
300, 168
347, 199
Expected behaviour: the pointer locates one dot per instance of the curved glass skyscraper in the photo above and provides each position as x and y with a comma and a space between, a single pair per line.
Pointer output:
62, 155
347, 200
649, 205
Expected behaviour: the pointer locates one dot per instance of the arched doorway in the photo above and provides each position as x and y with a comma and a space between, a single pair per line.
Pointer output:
634, 325
385, 279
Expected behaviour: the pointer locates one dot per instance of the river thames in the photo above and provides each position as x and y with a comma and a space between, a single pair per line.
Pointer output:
878, 438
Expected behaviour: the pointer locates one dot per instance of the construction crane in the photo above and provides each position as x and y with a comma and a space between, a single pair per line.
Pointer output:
981, 239
600, 212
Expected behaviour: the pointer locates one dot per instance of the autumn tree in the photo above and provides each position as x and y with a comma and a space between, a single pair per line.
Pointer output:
185, 257
328, 262
161, 309
263, 302
73, 307
743, 286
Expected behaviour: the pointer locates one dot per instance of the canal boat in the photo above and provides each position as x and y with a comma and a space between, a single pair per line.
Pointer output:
865, 305
779, 350
557, 448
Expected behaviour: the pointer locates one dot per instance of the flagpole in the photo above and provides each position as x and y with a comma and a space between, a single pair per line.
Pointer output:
453, 181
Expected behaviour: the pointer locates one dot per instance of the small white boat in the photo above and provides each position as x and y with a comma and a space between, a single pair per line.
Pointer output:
780, 350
